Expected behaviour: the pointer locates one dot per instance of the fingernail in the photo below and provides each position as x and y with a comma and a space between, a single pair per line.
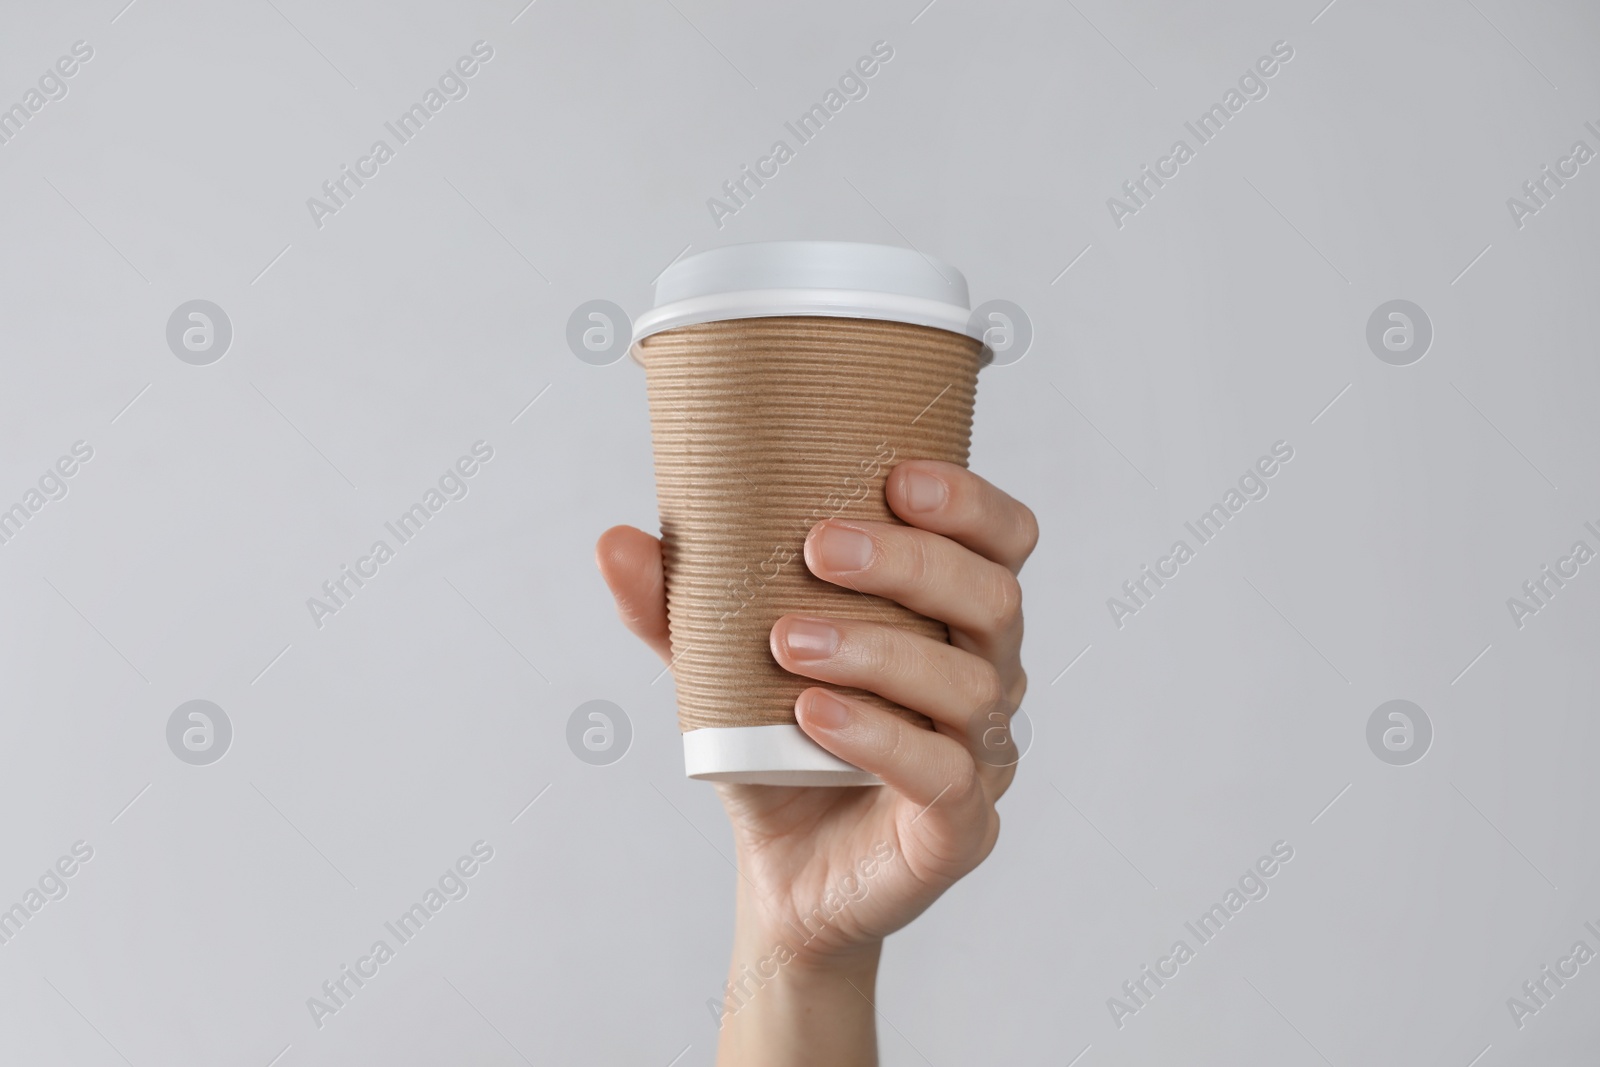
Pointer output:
839, 548
810, 639
825, 711
924, 492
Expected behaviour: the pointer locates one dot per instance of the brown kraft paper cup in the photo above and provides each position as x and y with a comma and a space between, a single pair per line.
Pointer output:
763, 427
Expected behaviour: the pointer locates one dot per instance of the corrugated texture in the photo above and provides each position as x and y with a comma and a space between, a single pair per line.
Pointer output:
763, 427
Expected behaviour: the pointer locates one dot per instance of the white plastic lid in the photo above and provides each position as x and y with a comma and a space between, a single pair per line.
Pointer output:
840, 279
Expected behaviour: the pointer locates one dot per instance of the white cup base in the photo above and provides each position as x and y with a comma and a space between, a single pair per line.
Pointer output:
766, 755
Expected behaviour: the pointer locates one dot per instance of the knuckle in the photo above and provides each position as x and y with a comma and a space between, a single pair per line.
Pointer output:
888, 741
1004, 603
904, 666
989, 688
991, 835
1018, 688
868, 651
1028, 524
965, 782
860, 647
916, 564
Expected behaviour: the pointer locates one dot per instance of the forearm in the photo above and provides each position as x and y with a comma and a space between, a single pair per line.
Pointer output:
789, 1010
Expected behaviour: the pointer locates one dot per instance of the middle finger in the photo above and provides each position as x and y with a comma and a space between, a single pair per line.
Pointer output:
930, 574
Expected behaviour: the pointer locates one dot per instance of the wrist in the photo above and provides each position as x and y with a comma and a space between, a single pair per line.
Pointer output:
787, 1003
766, 952
810, 945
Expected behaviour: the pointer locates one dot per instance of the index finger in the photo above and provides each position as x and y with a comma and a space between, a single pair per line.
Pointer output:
945, 499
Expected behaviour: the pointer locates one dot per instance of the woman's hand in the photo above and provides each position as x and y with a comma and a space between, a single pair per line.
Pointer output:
827, 873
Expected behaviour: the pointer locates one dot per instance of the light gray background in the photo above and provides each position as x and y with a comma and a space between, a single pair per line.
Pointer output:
369, 354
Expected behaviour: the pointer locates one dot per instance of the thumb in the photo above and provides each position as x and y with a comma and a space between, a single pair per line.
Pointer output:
630, 562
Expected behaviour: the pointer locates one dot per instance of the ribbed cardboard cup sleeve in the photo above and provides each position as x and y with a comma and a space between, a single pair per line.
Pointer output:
763, 427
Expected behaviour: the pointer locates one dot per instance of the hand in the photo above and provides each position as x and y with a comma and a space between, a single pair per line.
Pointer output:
957, 562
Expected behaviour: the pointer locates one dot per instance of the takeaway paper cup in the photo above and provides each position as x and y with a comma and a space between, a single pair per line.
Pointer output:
785, 380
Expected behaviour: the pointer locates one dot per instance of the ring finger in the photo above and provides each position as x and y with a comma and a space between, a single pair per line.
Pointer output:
955, 688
